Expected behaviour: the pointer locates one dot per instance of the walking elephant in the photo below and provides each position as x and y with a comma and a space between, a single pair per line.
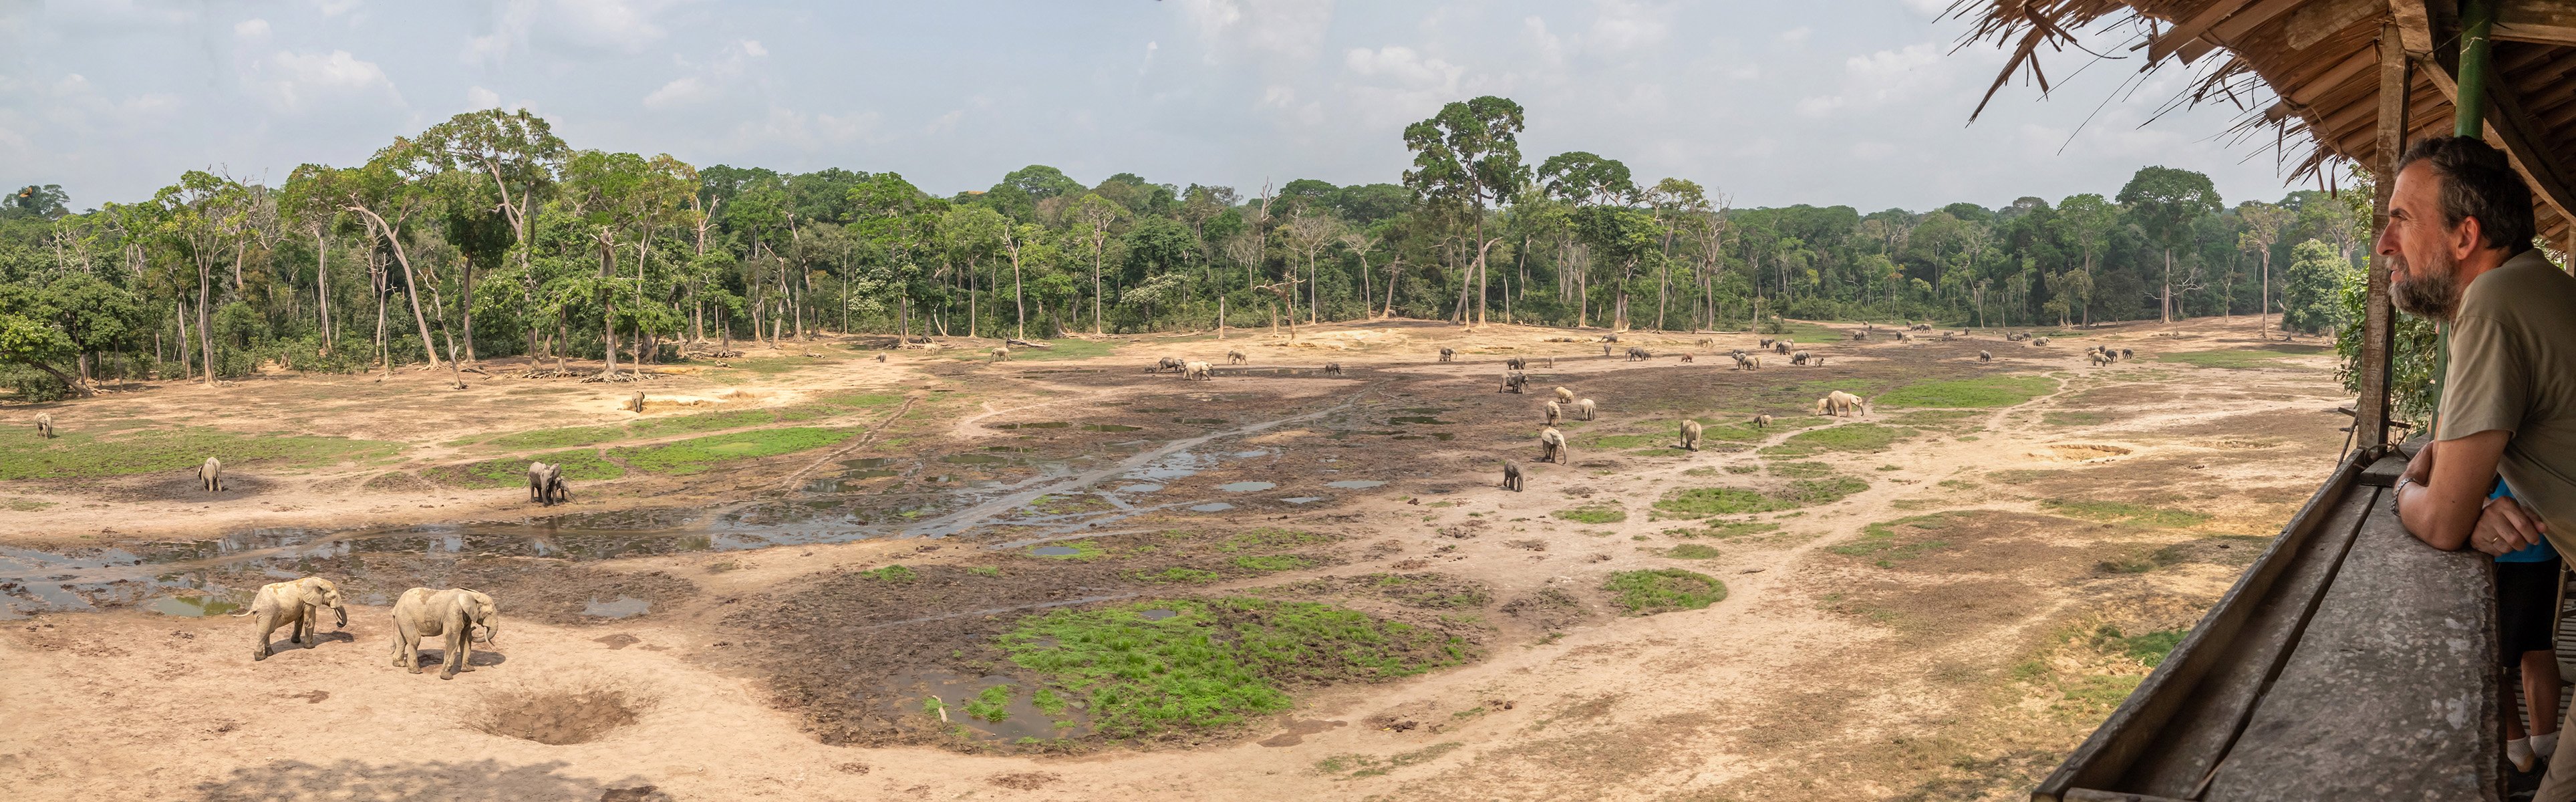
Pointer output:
297, 605
459, 616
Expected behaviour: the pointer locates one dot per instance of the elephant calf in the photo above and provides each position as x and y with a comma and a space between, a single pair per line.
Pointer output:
1234, 357
211, 475
1448, 355
1762, 421
1511, 476
1332, 368
45, 425
1584, 409
1197, 371
1555, 412
1001, 354
1552, 448
296, 605
1690, 434
546, 484
1564, 395
460, 616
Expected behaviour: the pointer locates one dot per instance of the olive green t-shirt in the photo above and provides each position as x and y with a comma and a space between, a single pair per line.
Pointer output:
2513, 367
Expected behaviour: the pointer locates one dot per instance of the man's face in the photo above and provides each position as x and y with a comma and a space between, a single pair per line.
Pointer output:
2423, 255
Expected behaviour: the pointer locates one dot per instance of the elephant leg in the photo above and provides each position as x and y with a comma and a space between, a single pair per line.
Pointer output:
265, 622
407, 650
455, 661
295, 628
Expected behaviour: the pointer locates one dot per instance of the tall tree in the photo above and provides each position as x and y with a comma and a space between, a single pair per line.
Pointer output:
1467, 155
2263, 224
2164, 201
517, 153
2086, 221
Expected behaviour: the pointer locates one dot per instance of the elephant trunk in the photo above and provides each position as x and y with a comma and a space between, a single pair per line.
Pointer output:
339, 617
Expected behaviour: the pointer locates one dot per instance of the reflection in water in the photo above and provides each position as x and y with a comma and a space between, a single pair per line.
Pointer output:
1055, 551
1213, 506
966, 699
1246, 487
1355, 484
192, 606
1303, 499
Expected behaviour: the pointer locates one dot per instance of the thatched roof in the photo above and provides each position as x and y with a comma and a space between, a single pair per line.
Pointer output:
2306, 72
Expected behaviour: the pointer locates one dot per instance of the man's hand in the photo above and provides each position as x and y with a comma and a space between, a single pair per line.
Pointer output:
2503, 528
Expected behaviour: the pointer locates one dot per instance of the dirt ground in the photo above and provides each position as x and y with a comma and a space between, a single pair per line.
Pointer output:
1967, 585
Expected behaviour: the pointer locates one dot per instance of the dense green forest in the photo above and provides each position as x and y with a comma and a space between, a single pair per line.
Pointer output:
488, 236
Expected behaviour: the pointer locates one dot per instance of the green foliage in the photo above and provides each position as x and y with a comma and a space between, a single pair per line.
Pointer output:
893, 573
2148, 648
1271, 563
1862, 437
2227, 358
557, 438
2119, 511
1215, 662
1691, 551
578, 464
2312, 288
1891, 542
1663, 590
1983, 392
1705, 501
698, 454
992, 704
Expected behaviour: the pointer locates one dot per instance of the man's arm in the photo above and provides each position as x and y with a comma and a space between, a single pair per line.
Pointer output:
2444, 503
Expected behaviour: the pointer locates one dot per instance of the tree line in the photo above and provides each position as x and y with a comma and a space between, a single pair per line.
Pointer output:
488, 236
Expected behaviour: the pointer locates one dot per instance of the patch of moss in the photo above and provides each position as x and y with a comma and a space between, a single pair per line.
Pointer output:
698, 454
81, 454
1978, 393
2123, 512
1663, 590
556, 438
1691, 551
1609, 513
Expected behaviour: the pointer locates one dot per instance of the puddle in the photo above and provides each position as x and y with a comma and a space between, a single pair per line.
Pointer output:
1259, 452
1213, 506
1109, 427
1054, 551
1420, 419
1177, 465
621, 607
1138, 488
1010, 448
1156, 615
1246, 487
866, 463
192, 606
911, 696
1355, 484
974, 459
1303, 499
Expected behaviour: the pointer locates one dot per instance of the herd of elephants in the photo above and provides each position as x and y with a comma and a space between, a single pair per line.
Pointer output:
462, 618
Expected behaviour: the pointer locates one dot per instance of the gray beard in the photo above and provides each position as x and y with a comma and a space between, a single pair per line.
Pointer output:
2435, 294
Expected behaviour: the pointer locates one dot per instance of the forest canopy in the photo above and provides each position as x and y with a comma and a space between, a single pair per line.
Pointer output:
488, 236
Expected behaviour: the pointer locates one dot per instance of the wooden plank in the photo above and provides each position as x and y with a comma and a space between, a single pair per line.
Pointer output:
2238, 25
2391, 694
2200, 731
2140, 727
2313, 22
2549, 22
2509, 130
2191, 28
2308, 91
2090, 795
2379, 314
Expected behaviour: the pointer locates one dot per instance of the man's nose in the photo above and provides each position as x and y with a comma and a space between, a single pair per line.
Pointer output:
2388, 239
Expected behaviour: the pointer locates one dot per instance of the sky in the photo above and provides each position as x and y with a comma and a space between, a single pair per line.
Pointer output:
1856, 102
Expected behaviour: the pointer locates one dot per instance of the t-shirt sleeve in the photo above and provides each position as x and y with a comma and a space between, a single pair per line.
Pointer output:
2488, 386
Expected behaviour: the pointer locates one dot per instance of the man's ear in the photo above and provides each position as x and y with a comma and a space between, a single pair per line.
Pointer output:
2467, 237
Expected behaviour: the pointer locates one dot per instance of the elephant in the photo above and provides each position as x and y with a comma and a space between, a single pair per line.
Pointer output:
1859, 336
1690, 434
1516, 363
1448, 355
881, 357
1552, 446
1565, 395
460, 616
1921, 327
1197, 371
1511, 476
1638, 352
296, 605
636, 403
1765, 343
45, 425
1783, 346
1332, 368
1584, 409
1234, 356
2128, 354
1555, 412
1801, 358
2039, 341
1166, 363
1514, 382
211, 475
1686, 357
1904, 337
1762, 421
546, 484
1001, 354
1985, 356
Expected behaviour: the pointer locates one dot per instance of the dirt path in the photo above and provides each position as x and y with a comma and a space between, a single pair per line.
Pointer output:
1983, 586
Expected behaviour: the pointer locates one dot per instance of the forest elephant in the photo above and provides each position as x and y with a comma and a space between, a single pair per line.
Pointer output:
1762, 421
297, 605
211, 475
1686, 358
1234, 356
1001, 354
2039, 341
1765, 343
1166, 364
1584, 410
1514, 381
1783, 346
1639, 353
460, 616
1198, 371
1690, 434
1800, 358
1511, 476
546, 484
2128, 354
1985, 356
45, 425
1555, 412
1565, 395
1552, 448
1332, 368
1516, 363
636, 403
1448, 355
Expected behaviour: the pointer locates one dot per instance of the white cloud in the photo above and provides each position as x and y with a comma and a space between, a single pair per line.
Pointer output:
1403, 66
1913, 73
752, 47
251, 29
334, 8
605, 26
292, 81
1550, 46
1797, 35
1929, 8
945, 123
479, 98
680, 93
1625, 26
713, 80
1270, 30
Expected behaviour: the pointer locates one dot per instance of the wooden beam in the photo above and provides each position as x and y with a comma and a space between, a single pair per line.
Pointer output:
2372, 409
2549, 22
2414, 25
2512, 131
2189, 29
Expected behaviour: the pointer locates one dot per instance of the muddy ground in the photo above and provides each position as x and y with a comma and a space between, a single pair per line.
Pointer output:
1941, 598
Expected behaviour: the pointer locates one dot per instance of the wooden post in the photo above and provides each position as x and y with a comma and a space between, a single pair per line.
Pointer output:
2477, 17
2371, 410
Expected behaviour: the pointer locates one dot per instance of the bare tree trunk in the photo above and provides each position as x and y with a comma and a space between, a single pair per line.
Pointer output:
205, 339
2164, 302
322, 285
411, 287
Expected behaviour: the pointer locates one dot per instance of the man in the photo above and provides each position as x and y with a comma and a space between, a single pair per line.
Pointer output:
2459, 245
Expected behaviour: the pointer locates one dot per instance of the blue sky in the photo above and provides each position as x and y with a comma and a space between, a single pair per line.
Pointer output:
1834, 102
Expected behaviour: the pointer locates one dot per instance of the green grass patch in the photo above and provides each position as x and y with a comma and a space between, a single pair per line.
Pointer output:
993, 704
1801, 470
2149, 648
1183, 576
1272, 563
1593, 514
580, 463
1935, 418
566, 437
1978, 393
860, 400
985, 571
1863, 437
1067, 348
682, 424
895, 573
1270, 537
1705, 501
2126, 513
1731, 432
1081, 551
1891, 542
774, 365
697, 454
1663, 590
1723, 530
79, 454
1691, 551
1214, 662
2227, 358
2075, 418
